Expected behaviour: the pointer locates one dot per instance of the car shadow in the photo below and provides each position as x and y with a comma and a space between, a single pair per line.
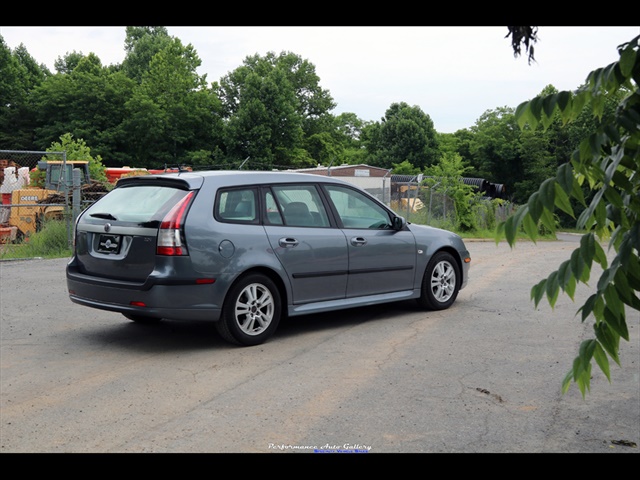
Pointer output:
177, 336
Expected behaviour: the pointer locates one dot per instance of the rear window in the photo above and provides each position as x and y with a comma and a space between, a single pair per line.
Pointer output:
137, 204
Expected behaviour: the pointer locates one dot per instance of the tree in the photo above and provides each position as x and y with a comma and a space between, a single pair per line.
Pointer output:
140, 45
405, 133
78, 150
495, 148
69, 62
276, 112
172, 115
88, 102
607, 163
20, 75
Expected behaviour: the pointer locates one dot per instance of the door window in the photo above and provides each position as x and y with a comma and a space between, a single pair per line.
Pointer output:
301, 206
357, 210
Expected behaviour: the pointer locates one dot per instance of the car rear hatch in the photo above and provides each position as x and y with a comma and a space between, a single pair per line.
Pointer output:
128, 233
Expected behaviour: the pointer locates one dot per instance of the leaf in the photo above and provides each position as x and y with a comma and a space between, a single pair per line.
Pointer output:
535, 107
577, 263
564, 177
587, 307
537, 291
552, 288
548, 220
535, 206
603, 362
608, 339
587, 248
601, 215
599, 255
577, 193
530, 227
570, 287
610, 81
614, 304
549, 104
578, 103
513, 223
564, 99
566, 382
622, 287
562, 201
522, 115
617, 323
621, 181
547, 193
582, 366
627, 61
564, 273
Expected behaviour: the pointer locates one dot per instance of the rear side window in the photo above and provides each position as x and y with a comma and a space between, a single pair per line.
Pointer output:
301, 205
238, 205
137, 204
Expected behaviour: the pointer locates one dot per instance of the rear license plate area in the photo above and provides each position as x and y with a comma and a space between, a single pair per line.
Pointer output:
109, 243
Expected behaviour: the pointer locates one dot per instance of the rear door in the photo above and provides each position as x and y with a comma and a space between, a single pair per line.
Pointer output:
313, 253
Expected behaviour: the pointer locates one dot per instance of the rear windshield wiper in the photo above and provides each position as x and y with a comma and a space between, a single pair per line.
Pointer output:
107, 216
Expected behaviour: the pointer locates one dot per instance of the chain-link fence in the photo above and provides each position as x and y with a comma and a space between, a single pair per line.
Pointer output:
27, 192
421, 204
430, 205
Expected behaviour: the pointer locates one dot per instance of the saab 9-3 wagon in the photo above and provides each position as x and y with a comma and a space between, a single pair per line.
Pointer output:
243, 249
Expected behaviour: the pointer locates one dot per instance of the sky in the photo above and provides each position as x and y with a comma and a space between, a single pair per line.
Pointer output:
453, 74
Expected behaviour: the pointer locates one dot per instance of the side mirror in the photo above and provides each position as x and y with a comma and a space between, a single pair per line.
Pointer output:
398, 223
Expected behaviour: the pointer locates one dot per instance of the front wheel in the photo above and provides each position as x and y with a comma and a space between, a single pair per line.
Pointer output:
251, 311
441, 282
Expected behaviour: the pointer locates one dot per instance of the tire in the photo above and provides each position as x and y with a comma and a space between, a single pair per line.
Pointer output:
441, 282
141, 319
251, 311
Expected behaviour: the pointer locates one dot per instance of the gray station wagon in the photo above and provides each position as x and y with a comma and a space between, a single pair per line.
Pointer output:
243, 249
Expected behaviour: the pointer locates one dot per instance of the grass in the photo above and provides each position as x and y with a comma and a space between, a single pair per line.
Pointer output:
50, 242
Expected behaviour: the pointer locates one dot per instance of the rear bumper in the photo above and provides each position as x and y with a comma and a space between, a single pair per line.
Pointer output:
175, 301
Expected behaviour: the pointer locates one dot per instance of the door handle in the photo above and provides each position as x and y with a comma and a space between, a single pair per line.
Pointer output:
358, 241
288, 242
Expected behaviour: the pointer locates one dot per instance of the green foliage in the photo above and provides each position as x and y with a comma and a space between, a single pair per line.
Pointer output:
447, 175
171, 113
484, 213
405, 134
78, 150
277, 114
607, 162
405, 168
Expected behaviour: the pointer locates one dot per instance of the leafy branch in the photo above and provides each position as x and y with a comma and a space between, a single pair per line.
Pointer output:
607, 164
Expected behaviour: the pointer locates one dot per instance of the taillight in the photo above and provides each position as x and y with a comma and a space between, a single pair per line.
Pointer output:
170, 235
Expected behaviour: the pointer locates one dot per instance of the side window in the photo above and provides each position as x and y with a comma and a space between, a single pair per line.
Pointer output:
357, 210
273, 214
301, 205
236, 206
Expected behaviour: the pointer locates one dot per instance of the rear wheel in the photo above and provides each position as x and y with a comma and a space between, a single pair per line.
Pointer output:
141, 318
251, 311
441, 282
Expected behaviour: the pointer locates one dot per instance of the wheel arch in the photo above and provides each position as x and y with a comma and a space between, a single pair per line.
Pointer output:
273, 276
455, 254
